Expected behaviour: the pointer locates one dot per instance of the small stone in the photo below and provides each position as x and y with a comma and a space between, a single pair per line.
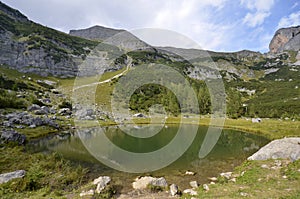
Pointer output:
243, 194
264, 166
194, 184
87, 193
214, 179
212, 183
243, 173
233, 180
284, 177
278, 163
206, 187
174, 189
189, 173
226, 175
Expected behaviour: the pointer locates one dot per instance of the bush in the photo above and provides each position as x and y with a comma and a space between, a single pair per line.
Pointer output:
10, 100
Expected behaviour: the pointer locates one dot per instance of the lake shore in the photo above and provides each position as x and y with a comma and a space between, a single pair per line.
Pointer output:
269, 128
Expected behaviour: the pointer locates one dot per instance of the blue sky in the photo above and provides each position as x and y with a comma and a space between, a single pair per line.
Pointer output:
219, 25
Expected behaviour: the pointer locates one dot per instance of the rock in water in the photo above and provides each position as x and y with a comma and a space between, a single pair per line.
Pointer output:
282, 148
6, 177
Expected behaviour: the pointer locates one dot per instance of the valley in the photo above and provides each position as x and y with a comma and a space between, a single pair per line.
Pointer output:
55, 88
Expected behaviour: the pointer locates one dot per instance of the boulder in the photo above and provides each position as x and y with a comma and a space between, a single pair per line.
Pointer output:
144, 182
286, 148
191, 192
44, 110
101, 183
12, 136
6, 177
194, 184
174, 190
33, 107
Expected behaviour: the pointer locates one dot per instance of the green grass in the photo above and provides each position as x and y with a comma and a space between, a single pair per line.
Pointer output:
258, 182
46, 175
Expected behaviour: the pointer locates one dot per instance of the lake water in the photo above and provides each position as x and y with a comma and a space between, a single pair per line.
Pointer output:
232, 148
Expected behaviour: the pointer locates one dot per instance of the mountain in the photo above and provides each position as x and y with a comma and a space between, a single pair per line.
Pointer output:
267, 84
32, 48
286, 39
95, 33
120, 38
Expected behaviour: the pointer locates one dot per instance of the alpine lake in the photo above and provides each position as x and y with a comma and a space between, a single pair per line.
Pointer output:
231, 149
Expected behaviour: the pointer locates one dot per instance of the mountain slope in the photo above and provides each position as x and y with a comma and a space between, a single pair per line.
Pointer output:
32, 48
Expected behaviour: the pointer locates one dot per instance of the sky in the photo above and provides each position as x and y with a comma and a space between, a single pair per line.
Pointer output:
219, 25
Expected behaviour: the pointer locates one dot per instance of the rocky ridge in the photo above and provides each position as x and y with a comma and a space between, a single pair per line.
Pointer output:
99, 33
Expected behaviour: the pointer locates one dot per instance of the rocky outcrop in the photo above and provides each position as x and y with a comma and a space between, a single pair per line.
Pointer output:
285, 39
12, 136
6, 177
31, 48
286, 148
24, 118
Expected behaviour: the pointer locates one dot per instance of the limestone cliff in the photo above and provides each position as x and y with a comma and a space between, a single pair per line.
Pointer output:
286, 39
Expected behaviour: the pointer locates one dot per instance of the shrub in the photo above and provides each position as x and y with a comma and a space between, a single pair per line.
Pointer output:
10, 100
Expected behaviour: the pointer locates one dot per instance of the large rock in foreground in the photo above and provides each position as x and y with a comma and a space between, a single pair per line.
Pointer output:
286, 148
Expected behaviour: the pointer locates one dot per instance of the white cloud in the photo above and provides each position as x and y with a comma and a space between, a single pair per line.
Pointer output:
213, 24
260, 10
291, 20
255, 19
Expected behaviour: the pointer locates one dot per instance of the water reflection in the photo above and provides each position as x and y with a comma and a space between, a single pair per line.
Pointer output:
232, 148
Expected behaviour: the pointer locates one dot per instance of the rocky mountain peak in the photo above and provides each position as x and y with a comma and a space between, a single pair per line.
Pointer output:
96, 32
285, 39
116, 37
